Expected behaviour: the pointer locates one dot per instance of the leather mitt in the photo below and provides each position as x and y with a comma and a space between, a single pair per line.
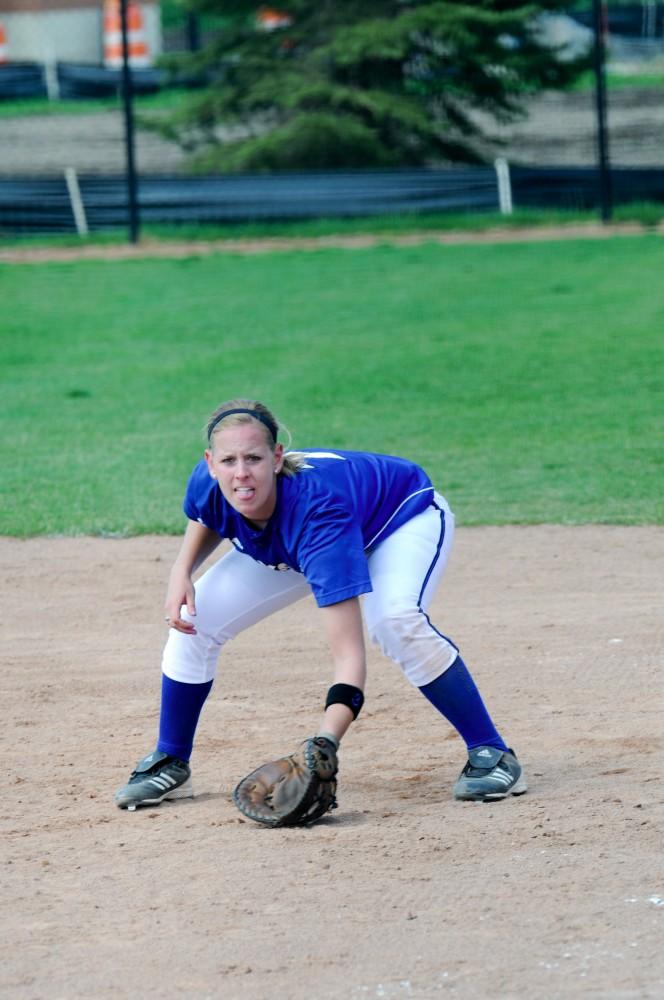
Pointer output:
294, 790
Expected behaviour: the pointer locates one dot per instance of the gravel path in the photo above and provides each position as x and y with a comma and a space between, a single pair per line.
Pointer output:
92, 143
559, 131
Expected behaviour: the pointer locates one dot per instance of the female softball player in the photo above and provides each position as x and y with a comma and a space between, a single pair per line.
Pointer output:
338, 524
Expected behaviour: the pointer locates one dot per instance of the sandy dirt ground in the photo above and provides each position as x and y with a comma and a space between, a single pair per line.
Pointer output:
401, 892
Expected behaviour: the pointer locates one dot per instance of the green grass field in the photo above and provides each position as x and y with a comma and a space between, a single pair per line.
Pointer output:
525, 377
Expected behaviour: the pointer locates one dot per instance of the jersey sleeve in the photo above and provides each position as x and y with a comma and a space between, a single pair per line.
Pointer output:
332, 558
202, 500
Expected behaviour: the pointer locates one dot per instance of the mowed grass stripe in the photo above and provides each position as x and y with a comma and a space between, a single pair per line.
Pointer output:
525, 377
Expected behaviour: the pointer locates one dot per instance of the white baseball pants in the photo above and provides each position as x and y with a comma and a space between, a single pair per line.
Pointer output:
405, 570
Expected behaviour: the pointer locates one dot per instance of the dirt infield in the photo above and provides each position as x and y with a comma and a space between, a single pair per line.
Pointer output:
401, 892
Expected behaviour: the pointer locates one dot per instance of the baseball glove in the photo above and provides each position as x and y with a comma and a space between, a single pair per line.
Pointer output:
294, 790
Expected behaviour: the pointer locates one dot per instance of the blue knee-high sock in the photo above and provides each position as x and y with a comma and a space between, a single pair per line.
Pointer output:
455, 695
181, 706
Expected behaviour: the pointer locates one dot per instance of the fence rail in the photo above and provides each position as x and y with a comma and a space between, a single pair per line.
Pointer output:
68, 205
43, 205
74, 80
47, 205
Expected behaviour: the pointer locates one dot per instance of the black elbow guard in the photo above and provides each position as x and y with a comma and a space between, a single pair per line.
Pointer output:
345, 694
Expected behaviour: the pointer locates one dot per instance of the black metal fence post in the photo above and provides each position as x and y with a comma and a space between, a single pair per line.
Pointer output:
603, 166
127, 100
193, 33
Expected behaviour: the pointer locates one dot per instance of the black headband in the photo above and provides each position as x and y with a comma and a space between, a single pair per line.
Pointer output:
256, 414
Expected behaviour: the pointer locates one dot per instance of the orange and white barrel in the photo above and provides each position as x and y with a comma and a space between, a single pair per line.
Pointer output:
4, 50
138, 52
270, 19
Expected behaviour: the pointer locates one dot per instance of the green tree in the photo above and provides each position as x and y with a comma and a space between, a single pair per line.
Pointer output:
356, 83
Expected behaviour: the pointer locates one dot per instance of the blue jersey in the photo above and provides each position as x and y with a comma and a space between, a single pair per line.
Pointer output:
327, 518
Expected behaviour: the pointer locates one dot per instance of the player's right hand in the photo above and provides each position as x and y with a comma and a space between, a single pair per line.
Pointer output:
180, 594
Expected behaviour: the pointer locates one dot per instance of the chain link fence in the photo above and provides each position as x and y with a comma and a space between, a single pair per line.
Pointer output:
551, 151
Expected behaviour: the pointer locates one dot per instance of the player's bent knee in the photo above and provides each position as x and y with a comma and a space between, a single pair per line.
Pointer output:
191, 659
410, 640
397, 628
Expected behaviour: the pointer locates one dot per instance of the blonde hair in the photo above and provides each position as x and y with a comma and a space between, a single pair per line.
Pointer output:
243, 411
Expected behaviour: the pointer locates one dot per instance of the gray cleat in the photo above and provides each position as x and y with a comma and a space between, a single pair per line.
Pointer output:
157, 777
490, 774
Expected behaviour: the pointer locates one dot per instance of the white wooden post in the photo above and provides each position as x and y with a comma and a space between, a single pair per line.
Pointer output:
49, 60
504, 185
77, 205
51, 80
